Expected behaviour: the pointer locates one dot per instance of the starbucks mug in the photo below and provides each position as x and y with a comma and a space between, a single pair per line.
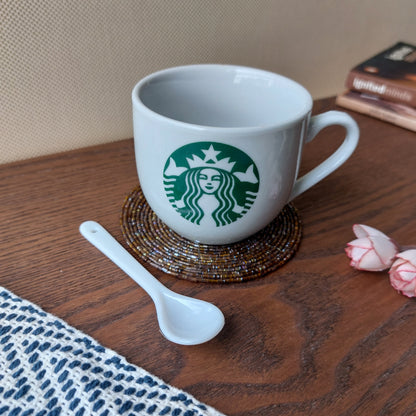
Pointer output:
218, 147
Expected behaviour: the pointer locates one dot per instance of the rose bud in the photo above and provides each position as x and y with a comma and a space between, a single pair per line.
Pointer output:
403, 273
372, 250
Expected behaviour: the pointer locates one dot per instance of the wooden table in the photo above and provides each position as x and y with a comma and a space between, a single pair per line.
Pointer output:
316, 337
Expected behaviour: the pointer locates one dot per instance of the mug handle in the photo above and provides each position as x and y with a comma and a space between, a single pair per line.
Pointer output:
333, 162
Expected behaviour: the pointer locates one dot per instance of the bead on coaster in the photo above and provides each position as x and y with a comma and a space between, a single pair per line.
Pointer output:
154, 242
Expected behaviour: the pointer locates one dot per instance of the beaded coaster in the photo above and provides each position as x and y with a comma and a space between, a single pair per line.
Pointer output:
154, 242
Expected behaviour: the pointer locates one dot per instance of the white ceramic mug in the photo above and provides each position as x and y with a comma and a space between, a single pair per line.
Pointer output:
218, 147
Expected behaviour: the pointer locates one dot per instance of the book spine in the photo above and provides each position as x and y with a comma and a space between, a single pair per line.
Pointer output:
381, 87
376, 112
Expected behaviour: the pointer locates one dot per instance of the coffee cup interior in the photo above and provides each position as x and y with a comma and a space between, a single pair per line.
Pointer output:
223, 96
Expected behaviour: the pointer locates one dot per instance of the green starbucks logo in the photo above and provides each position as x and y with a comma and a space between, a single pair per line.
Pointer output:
211, 183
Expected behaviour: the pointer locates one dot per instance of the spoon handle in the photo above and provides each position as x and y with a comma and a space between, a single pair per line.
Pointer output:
99, 237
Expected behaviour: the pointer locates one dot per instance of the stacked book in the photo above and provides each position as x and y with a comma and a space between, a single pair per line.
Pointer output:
384, 86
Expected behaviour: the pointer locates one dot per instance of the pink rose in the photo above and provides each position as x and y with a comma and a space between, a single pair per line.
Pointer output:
403, 273
372, 250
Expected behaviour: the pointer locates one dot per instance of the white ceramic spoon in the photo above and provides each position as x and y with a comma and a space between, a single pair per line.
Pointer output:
182, 319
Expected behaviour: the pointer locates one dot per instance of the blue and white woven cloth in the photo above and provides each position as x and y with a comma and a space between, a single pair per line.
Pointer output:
48, 368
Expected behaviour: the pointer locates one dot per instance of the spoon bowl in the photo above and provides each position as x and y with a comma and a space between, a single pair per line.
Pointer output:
196, 321
182, 319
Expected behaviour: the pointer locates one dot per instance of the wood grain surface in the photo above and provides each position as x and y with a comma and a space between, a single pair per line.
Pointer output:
316, 337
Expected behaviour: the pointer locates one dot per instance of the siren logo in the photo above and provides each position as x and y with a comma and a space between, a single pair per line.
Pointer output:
211, 183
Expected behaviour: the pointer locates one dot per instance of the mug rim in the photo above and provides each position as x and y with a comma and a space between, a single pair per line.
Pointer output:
138, 103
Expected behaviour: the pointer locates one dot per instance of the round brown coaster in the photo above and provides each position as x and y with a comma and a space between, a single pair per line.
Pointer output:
154, 242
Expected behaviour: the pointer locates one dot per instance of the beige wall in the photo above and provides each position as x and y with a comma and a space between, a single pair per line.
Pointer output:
68, 67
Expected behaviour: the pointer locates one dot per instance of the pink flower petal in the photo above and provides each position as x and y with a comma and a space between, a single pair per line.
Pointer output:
403, 274
385, 249
365, 243
361, 230
408, 275
409, 255
370, 261
397, 264
398, 285
358, 252
406, 288
410, 293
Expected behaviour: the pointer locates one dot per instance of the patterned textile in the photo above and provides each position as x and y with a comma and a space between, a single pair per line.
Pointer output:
48, 368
